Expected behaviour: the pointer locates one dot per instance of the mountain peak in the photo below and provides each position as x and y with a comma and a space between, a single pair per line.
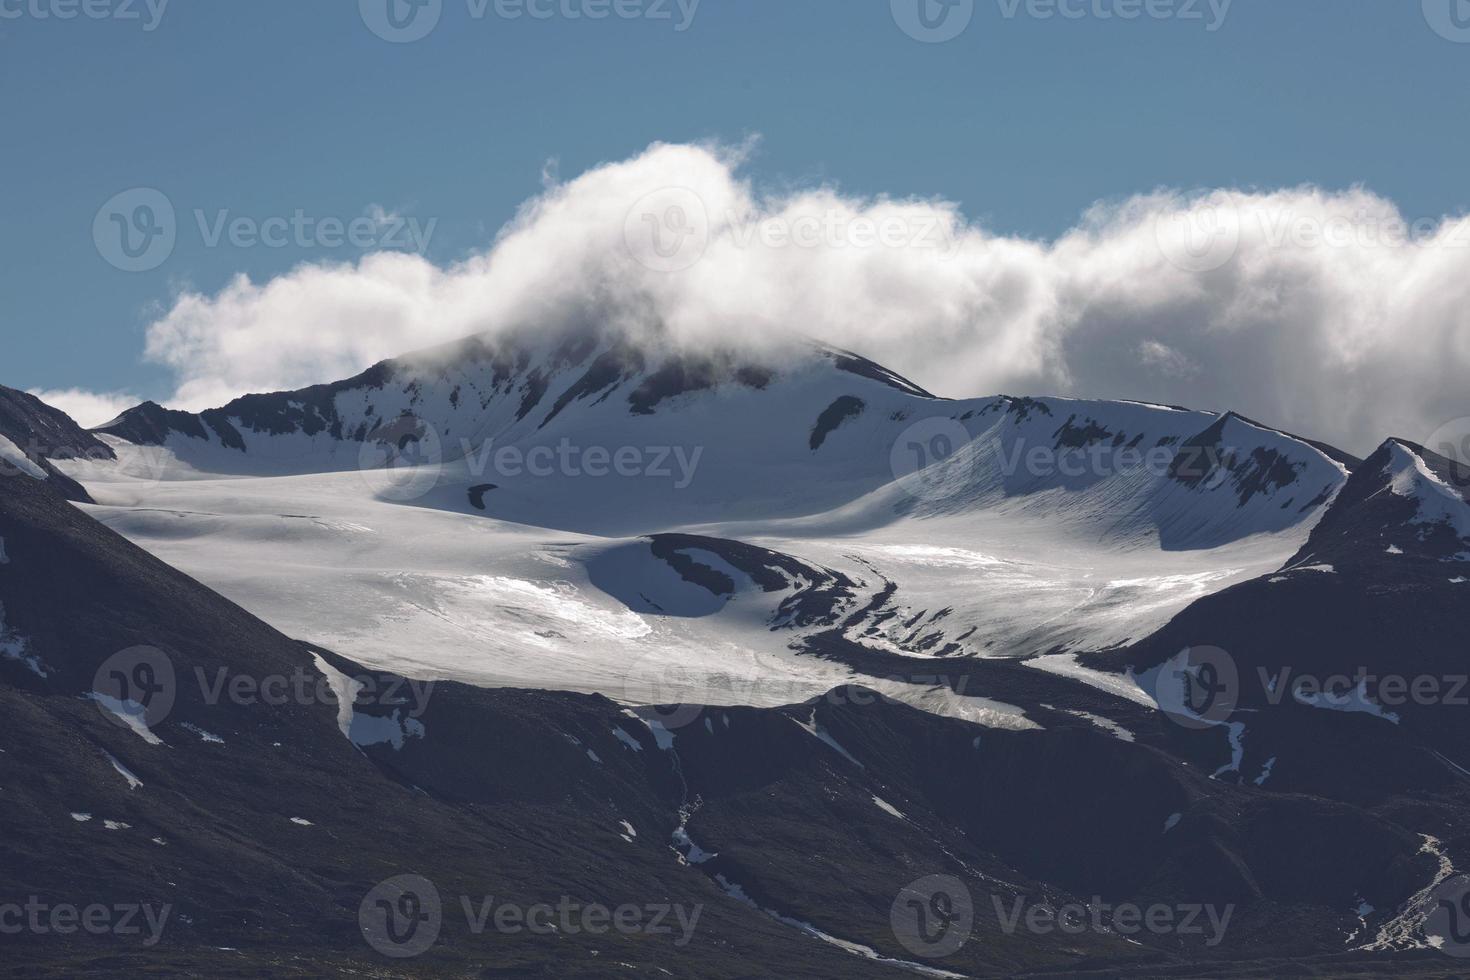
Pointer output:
502, 387
1404, 502
32, 434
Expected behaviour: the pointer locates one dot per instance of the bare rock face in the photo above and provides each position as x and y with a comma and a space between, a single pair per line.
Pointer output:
41, 433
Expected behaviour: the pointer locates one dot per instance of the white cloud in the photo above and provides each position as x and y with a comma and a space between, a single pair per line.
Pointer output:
1302, 308
1166, 359
88, 408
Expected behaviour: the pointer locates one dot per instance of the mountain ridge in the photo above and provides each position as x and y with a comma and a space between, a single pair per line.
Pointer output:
34, 434
818, 430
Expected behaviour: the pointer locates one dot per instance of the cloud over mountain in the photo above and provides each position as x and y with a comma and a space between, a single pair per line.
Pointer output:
1329, 313
88, 408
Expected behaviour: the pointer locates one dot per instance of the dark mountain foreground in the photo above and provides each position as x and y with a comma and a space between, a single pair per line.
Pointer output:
185, 791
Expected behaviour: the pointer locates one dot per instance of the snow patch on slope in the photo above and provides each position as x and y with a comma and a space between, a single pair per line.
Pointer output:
738, 893
813, 727
133, 781
1406, 929
130, 713
888, 808
1356, 701
360, 728
1124, 686
11, 457
1438, 503
203, 735
13, 646
1106, 724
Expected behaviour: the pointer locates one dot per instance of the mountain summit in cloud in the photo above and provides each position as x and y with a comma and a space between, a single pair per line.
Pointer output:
1168, 297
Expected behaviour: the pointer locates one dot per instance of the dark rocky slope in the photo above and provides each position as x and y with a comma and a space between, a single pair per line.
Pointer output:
264, 828
43, 433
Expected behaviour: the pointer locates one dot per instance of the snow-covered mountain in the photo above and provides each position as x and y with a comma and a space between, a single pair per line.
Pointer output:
727, 437
1405, 501
463, 513
791, 832
1368, 614
847, 549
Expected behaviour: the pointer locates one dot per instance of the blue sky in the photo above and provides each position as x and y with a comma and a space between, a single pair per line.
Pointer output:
265, 108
